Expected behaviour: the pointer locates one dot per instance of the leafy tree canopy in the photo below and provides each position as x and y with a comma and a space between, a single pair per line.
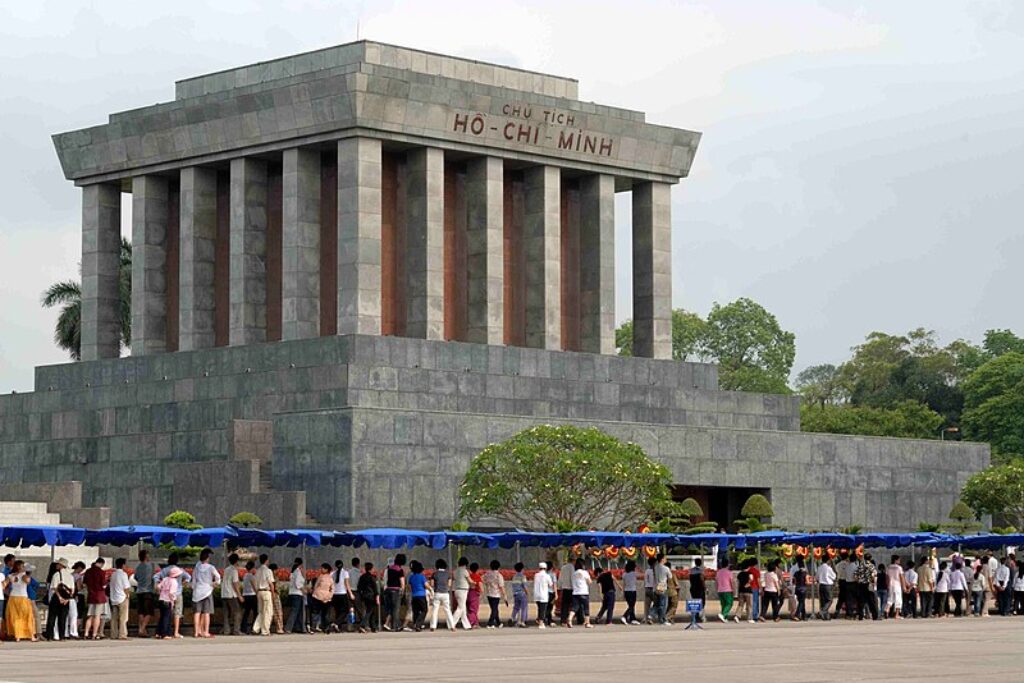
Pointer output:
180, 519
245, 520
998, 490
821, 385
753, 352
757, 506
908, 419
994, 404
565, 478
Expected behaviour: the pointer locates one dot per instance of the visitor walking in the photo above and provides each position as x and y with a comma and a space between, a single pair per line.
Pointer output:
565, 591
926, 587
96, 598
441, 583
418, 594
321, 596
61, 594
369, 593
476, 588
942, 590
826, 577
120, 589
494, 586
167, 593
231, 597
205, 578
460, 584
250, 604
607, 584
145, 597
629, 586
394, 586
580, 595
341, 600
725, 586
520, 599
543, 587
979, 587
296, 599
265, 585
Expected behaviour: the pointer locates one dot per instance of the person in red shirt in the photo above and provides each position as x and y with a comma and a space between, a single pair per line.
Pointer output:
755, 585
95, 580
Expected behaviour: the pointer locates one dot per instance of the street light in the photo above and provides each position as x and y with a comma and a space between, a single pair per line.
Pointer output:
942, 432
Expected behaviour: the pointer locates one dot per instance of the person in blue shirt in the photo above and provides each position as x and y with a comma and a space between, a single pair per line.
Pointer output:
418, 587
33, 588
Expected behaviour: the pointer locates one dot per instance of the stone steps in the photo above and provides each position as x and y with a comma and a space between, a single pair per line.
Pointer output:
28, 513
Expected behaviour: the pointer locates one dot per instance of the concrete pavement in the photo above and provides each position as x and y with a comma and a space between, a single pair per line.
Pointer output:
907, 650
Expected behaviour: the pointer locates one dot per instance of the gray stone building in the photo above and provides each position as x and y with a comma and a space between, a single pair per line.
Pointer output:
354, 268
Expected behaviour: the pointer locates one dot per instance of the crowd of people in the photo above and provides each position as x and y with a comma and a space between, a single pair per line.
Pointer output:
405, 596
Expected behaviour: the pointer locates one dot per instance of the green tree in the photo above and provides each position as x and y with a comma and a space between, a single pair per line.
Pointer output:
998, 342
964, 520
688, 330
994, 404
820, 385
245, 520
180, 519
67, 294
759, 507
908, 419
753, 352
999, 491
566, 478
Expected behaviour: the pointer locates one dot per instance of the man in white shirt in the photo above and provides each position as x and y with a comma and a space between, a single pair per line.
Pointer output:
265, 584
1004, 592
231, 597
649, 597
580, 582
543, 585
565, 592
204, 577
120, 585
896, 582
910, 599
661, 577
826, 578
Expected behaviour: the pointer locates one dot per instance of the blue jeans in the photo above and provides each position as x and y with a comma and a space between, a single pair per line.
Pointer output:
883, 595
757, 604
660, 607
978, 602
297, 616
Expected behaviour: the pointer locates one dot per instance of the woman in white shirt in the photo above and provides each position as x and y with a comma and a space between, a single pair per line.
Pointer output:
296, 599
958, 588
629, 585
20, 620
980, 585
942, 590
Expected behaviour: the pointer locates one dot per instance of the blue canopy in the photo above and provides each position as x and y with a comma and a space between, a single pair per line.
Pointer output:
395, 538
982, 541
469, 538
27, 536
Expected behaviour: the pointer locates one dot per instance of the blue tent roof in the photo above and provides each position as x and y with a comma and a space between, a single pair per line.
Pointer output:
28, 536
395, 538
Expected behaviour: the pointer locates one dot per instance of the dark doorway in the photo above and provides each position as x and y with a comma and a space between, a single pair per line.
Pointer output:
721, 504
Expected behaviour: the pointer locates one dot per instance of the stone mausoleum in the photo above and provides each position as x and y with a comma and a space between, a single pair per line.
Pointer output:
356, 267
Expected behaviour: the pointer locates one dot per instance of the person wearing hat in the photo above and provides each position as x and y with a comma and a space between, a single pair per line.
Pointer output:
167, 594
62, 592
543, 586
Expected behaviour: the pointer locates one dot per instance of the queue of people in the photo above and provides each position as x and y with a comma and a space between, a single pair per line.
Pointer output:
406, 596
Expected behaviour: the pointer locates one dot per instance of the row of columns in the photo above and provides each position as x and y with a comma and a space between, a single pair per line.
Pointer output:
182, 232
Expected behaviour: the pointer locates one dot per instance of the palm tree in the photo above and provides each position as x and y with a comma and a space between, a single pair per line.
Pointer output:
67, 294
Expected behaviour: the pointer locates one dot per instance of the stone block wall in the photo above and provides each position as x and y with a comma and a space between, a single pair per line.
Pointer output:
356, 418
403, 467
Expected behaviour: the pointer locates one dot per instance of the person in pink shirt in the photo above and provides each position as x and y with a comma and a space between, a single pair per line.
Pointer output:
725, 585
167, 593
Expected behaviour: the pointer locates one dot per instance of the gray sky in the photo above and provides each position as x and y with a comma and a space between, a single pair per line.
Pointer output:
860, 167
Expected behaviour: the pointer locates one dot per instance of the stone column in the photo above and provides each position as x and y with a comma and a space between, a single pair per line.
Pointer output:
101, 262
359, 214
597, 264
424, 242
542, 236
150, 212
198, 230
485, 178
652, 270
248, 270
300, 225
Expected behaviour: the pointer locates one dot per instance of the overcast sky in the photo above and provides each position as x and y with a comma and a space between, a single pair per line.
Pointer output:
860, 167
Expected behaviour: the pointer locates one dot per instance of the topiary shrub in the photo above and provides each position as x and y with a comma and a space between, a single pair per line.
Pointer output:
757, 506
245, 520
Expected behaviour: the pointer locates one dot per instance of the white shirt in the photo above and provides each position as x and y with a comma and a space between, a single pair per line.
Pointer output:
851, 570
249, 583
1018, 584
204, 576
649, 578
19, 589
340, 577
581, 582
565, 576
119, 585
227, 586
1002, 576
297, 582
629, 582
942, 584
542, 586
826, 575
911, 576
957, 580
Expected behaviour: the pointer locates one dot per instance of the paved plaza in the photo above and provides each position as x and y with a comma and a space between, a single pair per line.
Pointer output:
981, 649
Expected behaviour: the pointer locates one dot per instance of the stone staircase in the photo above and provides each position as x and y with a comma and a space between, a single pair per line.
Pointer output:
31, 513
217, 489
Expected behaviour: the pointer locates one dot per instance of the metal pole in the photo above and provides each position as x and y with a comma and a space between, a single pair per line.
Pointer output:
814, 583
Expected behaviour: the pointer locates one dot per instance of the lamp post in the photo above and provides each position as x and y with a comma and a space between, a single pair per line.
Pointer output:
944, 430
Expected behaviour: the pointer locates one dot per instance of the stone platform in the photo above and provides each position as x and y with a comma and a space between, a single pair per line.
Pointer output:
370, 430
